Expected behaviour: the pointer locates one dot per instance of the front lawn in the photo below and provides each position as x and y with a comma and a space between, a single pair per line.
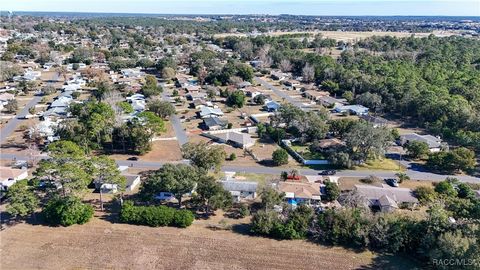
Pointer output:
381, 164
304, 151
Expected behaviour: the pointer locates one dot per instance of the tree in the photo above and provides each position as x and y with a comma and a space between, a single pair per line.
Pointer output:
11, 106
460, 159
425, 195
332, 191
161, 108
67, 211
308, 73
105, 171
259, 99
22, 201
417, 150
211, 194
236, 99
168, 73
151, 88
67, 170
446, 188
285, 65
270, 197
178, 179
452, 246
364, 141
369, 100
204, 156
48, 90
152, 123
280, 157
261, 130
465, 191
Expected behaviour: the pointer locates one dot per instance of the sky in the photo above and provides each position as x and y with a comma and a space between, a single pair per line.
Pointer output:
295, 7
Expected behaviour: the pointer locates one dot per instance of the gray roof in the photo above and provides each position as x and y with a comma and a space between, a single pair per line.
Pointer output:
385, 200
399, 195
239, 186
214, 121
130, 178
236, 137
432, 141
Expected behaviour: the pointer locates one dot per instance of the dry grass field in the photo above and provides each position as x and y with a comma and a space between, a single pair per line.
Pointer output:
100, 244
346, 36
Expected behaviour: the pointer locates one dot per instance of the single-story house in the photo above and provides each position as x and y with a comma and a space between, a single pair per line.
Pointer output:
375, 120
314, 95
272, 106
237, 139
353, 109
62, 102
292, 84
132, 72
386, 198
135, 97
328, 101
302, 193
133, 181
214, 123
210, 112
434, 143
138, 105
241, 190
9, 176
31, 75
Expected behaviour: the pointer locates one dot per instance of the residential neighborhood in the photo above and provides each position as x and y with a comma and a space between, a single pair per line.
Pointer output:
347, 137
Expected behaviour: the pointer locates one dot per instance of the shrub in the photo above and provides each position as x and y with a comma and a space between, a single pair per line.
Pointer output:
155, 216
233, 156
67, 211
370, 180
243, 211
280, 157
183, 218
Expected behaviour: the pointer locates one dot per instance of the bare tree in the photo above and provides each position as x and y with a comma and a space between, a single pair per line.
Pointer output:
308, 73
285, 65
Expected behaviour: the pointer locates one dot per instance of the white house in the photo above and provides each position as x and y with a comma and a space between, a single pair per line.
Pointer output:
9, 176
241, 190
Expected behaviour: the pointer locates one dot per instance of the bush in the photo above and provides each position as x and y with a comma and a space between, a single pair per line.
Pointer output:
67, 211
280, 157
183, 218
155, 216
370, 180
233, 156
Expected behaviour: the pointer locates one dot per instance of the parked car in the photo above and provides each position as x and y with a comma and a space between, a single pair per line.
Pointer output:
164, 196
392, 182
133, 158
328, 172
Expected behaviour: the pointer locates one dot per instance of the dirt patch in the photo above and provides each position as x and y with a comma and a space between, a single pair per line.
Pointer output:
100, 244
167, 150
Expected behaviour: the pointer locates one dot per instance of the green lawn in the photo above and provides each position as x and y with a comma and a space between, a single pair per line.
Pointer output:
381, 164
304, 151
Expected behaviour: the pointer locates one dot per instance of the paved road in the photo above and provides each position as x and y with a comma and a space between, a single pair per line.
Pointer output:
416, 175
180, 133
12, 124
281, 93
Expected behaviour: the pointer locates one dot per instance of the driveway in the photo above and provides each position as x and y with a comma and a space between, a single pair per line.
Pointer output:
180, 133
280, 93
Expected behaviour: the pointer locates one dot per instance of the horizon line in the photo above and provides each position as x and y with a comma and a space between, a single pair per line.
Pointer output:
233, 14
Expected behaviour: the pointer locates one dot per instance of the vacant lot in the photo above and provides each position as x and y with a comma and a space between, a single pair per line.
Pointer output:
346, 36
103, 245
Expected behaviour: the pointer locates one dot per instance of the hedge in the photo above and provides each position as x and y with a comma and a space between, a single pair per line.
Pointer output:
155, 216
